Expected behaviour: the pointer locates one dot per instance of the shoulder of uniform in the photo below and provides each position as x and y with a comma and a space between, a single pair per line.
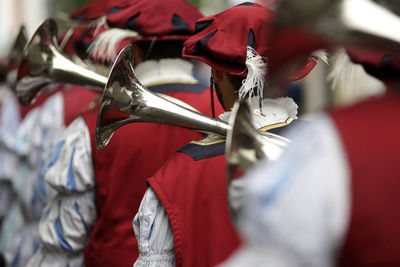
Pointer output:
209, 147
177, 87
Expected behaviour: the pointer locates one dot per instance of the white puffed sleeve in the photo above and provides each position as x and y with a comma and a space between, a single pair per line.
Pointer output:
70, 167
67, 221
154, 233
296, 209
27, 131
9, 119
69, 217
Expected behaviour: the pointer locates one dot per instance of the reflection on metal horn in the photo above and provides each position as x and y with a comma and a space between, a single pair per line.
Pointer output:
126, 100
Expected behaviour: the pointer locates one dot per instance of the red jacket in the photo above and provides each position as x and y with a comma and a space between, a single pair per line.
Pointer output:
135, 153
370, 133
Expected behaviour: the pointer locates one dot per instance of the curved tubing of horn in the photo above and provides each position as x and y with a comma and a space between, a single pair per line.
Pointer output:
15, 57
245, 145
126, 100
345, 22
42, 64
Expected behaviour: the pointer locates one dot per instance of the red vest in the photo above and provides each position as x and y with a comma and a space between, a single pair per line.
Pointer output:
370, 132
76, 101
135, 153
192, 188
24, 110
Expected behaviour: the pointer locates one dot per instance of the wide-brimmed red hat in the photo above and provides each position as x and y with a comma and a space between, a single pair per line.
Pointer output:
236, 41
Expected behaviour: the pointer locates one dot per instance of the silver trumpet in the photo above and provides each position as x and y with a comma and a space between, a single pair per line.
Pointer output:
14, 57
126, 100
246, 145
344, 22
42, 64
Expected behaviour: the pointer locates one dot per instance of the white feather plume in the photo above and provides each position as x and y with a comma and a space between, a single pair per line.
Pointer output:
321, 55
350, 81
105, 45
256, 71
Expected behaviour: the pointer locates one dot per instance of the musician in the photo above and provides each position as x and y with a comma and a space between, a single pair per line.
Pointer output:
35, 137
100, 191
331, 200
183, 219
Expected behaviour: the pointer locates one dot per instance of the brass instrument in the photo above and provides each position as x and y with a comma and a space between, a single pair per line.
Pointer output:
340, 22
126, 100
344, 22
246, 145
14, 57
42, 64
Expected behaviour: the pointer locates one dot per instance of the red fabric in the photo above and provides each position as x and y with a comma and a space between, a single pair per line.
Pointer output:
155, 18
96, 9
39, 101
76, 101
292, 45
227, 49
194, 194
135, 153
370, 134
384, 65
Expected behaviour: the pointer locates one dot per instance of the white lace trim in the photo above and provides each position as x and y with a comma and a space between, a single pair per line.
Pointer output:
168, 70
273, 110
153, 257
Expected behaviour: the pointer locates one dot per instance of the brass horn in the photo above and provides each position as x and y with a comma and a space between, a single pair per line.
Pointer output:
126, 100
352, 22
14, 57
245, 145
42, 64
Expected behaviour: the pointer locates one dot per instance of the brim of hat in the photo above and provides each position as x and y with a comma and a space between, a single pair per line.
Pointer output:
227, 67
241, 70
308, 67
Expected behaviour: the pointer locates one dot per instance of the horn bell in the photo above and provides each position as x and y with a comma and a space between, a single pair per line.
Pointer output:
351, 22
42, 64
15, 57
245, 145
126, 100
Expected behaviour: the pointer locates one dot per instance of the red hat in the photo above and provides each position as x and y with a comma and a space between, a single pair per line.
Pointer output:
383, 65
236, 41
144, 20
221, 40
157, 18
96, 9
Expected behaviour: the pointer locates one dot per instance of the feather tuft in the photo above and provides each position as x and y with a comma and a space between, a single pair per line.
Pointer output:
104, 47
256, 72
321, 55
